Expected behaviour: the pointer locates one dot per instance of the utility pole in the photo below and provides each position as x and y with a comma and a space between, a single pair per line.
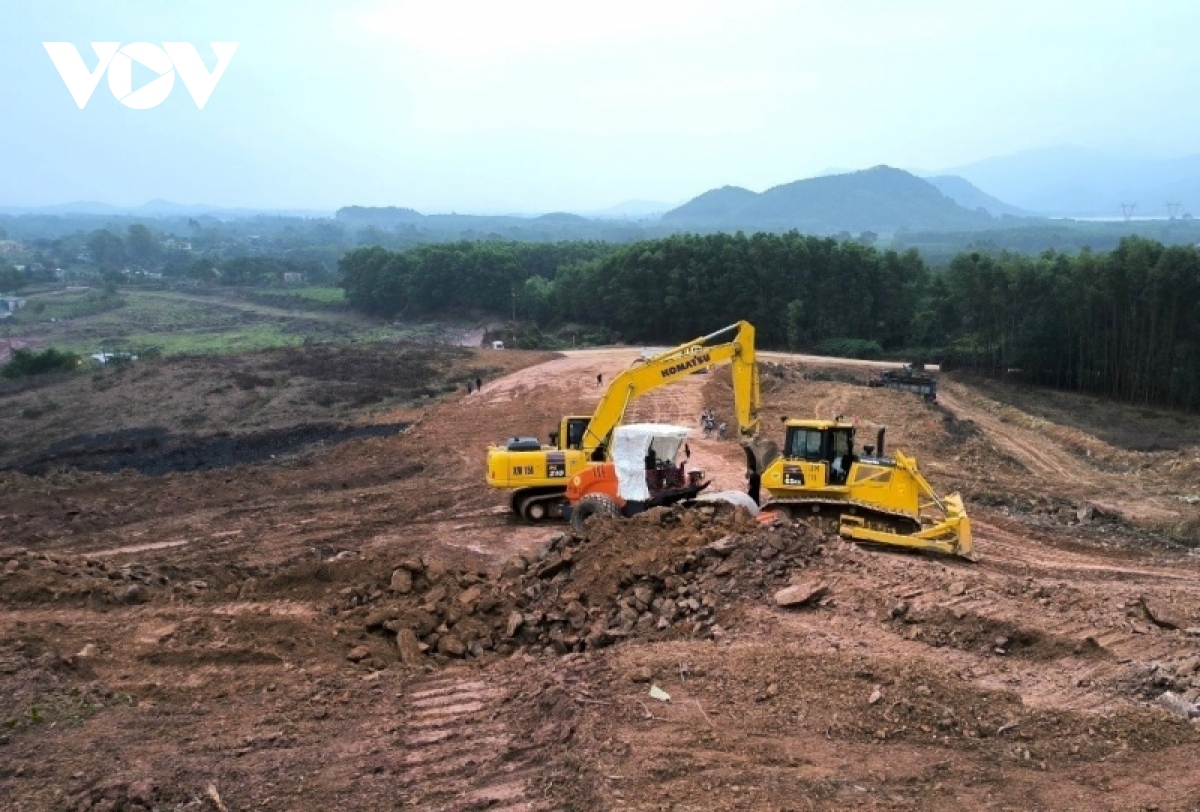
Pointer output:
1127, 210
513, 289
1171, 209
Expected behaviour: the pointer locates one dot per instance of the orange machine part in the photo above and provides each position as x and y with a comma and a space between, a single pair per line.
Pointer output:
600, 478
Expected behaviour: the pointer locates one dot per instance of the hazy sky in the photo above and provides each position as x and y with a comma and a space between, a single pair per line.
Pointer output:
487, 105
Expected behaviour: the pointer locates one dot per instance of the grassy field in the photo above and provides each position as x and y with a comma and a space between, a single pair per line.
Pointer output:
57, 306
308, 298
320, 295
186, 324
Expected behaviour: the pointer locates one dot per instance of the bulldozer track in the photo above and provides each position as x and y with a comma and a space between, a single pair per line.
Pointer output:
458, 757
896, 519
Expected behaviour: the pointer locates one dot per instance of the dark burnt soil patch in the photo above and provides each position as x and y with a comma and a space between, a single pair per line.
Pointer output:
201, 396
403, 367
972, 632
156, 451
959, 431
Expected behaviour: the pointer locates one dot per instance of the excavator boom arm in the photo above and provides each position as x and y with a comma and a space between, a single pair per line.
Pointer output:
672, 365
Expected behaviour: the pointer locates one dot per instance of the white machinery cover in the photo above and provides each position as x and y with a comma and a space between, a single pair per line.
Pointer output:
735, 498
632, 443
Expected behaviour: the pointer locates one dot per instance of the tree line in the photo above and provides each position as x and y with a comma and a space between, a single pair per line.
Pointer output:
1123, 323
496, 277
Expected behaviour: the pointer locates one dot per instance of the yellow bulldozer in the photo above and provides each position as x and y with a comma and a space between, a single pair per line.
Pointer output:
819, 476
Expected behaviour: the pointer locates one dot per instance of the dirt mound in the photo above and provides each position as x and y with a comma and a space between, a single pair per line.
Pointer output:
972, 632
666, 574
30, 577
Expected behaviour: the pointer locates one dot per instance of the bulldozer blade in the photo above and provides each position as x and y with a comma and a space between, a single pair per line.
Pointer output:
950, 537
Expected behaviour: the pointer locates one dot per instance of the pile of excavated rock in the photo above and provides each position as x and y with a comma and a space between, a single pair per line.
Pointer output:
28, 576
666, 574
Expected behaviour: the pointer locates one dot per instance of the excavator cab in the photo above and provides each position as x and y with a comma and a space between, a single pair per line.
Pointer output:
570, 433
644, 472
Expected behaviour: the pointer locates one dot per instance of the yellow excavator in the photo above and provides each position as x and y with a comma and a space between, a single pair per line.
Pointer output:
538, 474
820, 477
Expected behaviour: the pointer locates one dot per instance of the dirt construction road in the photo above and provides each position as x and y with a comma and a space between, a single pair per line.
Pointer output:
361, 625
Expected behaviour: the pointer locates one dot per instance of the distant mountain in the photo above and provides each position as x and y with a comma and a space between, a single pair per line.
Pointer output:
1074, 181
561, 217
411, 224
81, 207
969, 196
715, 204
378, 216
630, 210
881, 199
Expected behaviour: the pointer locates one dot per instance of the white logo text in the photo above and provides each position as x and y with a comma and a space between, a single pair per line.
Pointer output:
171, 58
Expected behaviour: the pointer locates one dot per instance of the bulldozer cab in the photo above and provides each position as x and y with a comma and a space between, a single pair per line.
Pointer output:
827, 447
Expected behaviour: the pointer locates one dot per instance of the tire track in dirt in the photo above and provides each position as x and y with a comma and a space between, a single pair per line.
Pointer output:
1076, 644
1079, 681
1036, 452
1016, 550
1110, 644
458, 755
1056, 468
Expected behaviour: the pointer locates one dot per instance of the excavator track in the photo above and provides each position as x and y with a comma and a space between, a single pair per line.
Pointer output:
538, 505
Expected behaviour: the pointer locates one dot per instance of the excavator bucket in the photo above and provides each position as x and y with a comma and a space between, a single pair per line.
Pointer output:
760, 453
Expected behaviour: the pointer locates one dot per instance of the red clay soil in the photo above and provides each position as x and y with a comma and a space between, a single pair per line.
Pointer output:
360, 625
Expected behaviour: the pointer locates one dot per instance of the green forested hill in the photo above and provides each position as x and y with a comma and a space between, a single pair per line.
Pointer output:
715, 205
882, 200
